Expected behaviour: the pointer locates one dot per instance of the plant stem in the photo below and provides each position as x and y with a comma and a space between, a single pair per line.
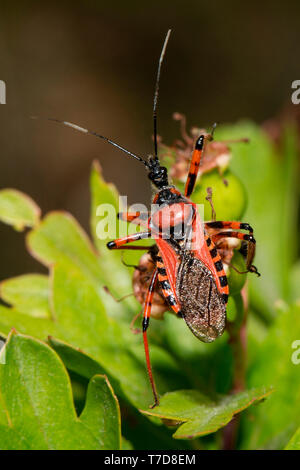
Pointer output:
238, 341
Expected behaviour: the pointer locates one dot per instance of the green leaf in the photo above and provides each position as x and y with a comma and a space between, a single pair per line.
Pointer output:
201, 414
34, 326
294, 443
60, 238
274, 364
102, 194
134, 424
75, 360
101, 414
126, 445
36, 404
28, 294
295, 282
18, 209
207, 365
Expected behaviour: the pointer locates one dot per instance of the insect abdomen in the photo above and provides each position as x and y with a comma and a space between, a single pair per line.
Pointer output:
202, 305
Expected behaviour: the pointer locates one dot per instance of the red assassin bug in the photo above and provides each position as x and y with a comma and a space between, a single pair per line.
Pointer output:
144, 270
192, 280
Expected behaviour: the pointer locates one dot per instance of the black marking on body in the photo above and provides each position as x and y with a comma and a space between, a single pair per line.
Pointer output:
202, 305
208, 241
219, 265
223, 281
171, 300
250, 238
216, 224
111, 245
165, 285
162, 271
145, 323
199, 143
192, 179
245, 226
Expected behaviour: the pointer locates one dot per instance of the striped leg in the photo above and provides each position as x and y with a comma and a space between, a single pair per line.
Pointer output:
166, 287
229, 224
216, 258
138, 218
251, 240
194, 167
146, 318
120, 242
251, 246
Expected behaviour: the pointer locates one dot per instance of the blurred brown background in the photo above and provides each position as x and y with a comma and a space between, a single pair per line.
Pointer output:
94, 63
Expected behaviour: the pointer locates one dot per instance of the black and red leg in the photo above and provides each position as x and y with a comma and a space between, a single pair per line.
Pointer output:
120, 243
195, 162
146, 318
216, 259
194, 167
248, 238
138, 218
166, 286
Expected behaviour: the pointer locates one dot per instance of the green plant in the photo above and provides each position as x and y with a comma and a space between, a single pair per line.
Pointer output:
72, 345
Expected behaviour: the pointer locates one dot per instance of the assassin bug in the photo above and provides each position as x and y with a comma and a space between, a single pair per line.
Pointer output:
187, 265
144, 270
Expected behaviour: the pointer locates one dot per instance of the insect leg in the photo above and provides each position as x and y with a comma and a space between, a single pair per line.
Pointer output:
229, 224
194, 167
166, 287
245, 237
234, 225
216, 259
138, 218
146, 317
120, 242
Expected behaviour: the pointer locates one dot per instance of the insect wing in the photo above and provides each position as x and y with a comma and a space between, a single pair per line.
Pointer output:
201, 251
202, 305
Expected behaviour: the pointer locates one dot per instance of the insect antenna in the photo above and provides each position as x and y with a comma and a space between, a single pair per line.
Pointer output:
88, 132
162, 54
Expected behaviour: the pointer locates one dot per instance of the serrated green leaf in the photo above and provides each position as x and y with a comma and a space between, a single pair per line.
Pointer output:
36, 404
18, 209
200, 414
28, 294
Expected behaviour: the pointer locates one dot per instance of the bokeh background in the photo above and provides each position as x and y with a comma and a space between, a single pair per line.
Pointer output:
94, 63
